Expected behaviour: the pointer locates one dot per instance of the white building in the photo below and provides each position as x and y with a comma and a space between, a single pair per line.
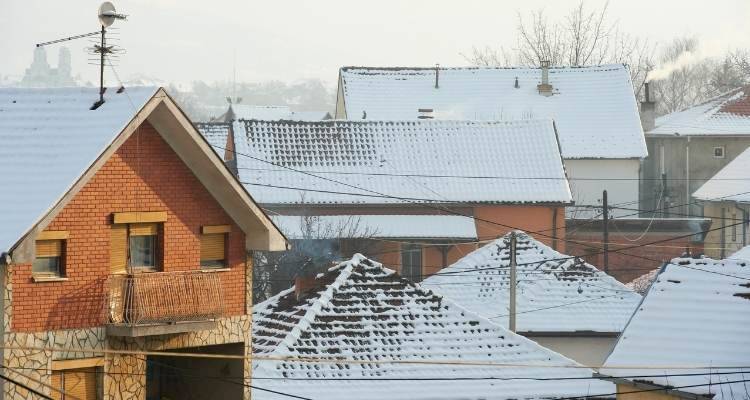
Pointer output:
594, 109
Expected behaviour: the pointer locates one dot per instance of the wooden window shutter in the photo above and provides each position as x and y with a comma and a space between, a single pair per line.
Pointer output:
80, 383
57, 384
118, 249
213, 247
49, 248
144, 229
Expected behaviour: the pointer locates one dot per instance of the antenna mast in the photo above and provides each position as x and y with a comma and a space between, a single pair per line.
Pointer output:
107, 16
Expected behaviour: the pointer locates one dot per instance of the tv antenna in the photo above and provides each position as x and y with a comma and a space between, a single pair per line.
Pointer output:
107, 16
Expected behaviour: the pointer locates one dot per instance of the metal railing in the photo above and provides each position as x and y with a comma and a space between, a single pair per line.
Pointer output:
164, 297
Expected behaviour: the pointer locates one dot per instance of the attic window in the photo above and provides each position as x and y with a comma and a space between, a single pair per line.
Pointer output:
213, 246
50, 254
719, 152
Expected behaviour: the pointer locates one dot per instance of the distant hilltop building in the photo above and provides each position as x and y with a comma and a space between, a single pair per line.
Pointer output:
41, 74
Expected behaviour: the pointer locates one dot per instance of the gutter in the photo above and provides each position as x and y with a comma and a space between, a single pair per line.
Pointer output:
652, 387
570, 334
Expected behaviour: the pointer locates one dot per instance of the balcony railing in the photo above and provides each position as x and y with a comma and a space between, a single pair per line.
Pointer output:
164, 298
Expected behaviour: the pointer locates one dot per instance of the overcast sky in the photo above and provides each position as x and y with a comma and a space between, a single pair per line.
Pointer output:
185, 40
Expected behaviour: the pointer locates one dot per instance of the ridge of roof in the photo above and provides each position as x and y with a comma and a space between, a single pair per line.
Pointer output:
714, 116
475, 68
548, 278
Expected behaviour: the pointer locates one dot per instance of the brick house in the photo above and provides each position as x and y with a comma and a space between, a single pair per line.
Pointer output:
416, 184
121, 231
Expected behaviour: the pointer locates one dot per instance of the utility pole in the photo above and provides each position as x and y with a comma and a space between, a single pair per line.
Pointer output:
605, 227
512, 314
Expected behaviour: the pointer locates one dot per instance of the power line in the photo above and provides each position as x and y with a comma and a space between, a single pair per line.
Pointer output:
666, 389
28, 388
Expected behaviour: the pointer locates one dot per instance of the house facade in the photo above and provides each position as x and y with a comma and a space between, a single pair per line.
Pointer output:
692, 325
426, 191
562, 302
725, 199
124, 233
359, 330
594, 109
686, 148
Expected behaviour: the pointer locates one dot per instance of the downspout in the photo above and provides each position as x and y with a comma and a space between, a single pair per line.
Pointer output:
723, 239
554, 228
687, 176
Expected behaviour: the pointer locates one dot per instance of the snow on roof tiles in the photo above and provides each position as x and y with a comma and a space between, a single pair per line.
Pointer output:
741, 254
384, 226
361, 315
731, 183
50, 137
727, 114
696, 314
216, 133
555, 292
594, 108
385, 156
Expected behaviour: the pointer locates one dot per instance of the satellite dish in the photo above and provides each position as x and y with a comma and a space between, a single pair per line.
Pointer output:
108, 15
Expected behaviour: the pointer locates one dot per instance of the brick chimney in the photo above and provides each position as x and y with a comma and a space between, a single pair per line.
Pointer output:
545, 89
304, 284
648, 110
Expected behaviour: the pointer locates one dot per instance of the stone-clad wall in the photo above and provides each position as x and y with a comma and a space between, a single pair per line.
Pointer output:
124, 376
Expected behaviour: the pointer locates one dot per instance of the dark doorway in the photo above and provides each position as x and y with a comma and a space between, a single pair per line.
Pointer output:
196, 378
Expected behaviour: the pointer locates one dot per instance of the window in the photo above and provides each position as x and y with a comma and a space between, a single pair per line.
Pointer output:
79, 383
214, 246
411, 262
719, 152
134, 246
49, 257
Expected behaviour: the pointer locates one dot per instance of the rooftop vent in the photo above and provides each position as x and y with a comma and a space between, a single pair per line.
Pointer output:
437, 76
425, 113
545, 89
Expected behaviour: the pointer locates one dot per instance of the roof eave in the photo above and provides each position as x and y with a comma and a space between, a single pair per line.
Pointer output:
652, 387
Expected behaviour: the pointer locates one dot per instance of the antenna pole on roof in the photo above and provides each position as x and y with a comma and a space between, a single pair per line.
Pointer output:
605, 228
512, 311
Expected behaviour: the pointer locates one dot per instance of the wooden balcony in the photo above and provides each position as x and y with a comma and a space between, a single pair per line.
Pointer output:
160, 303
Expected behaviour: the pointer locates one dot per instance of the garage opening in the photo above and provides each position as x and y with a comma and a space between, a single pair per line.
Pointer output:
196, 378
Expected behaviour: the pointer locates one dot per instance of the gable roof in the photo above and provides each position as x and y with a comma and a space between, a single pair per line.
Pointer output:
53, 143
400, 159
696, 314
216, 133
555, 292
727, 114
594, 108
360, 316
731, 183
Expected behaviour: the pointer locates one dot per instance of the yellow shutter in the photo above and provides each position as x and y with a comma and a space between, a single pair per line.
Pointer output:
144, 229
49, 248
80, 383
118, 249
57, 384
212, 247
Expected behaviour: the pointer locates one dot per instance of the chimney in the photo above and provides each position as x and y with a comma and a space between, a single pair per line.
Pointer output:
304, 284
425, 113
648, 109
437, 76
545, 89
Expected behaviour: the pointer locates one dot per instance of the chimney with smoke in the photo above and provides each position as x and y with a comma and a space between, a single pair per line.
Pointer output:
648, 109
304, 283
545, 89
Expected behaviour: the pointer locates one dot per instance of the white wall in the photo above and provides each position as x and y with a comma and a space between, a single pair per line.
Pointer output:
588, 178
587, 350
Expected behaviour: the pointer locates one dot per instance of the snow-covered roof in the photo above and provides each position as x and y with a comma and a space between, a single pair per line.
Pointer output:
270, 113
380, 226
727, 114
50, 137
741, 254
594, 108
696, 314
641, 284
216, 133
374, 335
731, 183
438, 161
555, 292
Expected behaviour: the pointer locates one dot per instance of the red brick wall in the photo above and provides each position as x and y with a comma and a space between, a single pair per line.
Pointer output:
143, 175
634, 262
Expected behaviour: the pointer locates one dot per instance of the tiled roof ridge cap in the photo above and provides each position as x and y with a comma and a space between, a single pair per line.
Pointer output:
323, 298
601, 67
426, 122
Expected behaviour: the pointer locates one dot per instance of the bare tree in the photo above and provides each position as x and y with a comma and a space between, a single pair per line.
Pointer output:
320, 245
583, 37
